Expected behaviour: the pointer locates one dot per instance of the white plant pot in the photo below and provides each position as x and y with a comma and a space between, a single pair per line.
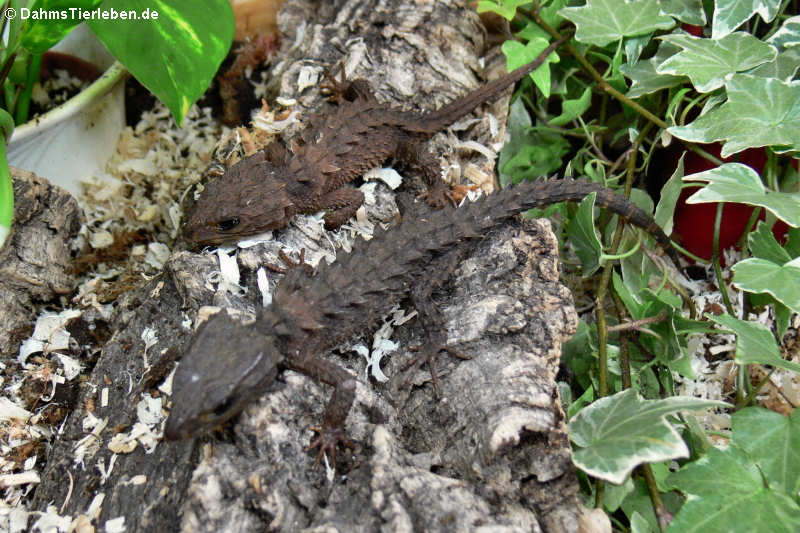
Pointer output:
73, 142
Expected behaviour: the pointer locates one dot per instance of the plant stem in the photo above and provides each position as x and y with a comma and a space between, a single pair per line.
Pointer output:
605, 86
6, 196
24, 99
662, 515
7, 67
715, 261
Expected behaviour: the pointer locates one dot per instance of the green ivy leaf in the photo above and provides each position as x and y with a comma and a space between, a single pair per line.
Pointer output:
583, 236
187, 43
729, 495
619, 432
793, 242
572, 109
754, 343
601, 22
759, 112
38, 35
634, 47
708, 63
518, 55
781, 281
529, 154
688, 11
505, 8
644, 77
735, 182
730, 14
773, 441
669, 198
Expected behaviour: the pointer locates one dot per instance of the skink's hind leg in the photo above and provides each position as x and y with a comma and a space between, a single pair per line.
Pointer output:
438, 193
432, 322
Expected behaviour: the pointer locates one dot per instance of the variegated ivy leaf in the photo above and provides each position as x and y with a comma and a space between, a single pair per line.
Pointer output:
709, 62
730, 14
643, 75
601, 22
755, 343
688, 11
788, 35
619, 432
782, 282
735, 182
759, 112
783, 67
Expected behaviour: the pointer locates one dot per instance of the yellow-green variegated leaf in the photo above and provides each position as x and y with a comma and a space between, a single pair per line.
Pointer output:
173, 47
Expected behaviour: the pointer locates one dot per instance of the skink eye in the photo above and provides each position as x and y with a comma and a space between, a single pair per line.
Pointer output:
227, 225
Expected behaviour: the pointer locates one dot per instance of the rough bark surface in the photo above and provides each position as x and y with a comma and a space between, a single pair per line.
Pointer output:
35, 263
491, 453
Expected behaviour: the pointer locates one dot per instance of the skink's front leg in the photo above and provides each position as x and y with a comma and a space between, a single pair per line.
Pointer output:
332, 431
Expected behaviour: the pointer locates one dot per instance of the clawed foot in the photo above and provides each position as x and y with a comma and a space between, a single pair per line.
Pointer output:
428, 355
333, 87
329, 438
291, 264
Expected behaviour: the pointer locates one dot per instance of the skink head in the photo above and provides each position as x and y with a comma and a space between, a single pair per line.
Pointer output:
250, 198
227, 366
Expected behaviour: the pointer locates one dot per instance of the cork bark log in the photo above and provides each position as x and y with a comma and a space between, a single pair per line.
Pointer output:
492, 452
35, 262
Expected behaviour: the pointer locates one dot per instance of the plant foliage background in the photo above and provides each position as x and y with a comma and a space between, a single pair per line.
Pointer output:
693, 110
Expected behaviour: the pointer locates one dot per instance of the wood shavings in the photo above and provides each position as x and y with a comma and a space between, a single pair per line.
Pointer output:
475, 146
150, 338
122, 443
48, 334
387, 175
381, 344
101, 239
157, 254
263, 286
148, 410
255, 240
166, 386
228, 273
9, 410
115, 525
307, 77
11, 480
105, 471
50, 521
17, 520
72, 367
142, 166
90, 444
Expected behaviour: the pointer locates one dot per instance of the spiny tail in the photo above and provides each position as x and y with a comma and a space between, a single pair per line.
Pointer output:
441, 118
530, 194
